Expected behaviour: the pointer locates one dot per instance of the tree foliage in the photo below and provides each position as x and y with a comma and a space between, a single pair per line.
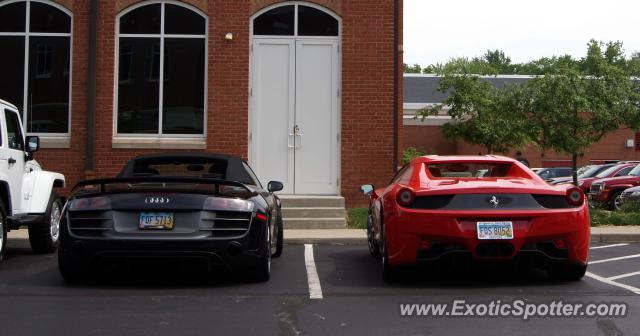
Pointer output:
568, 107
480, 114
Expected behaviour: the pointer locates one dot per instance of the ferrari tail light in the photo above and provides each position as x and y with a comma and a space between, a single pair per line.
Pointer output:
575, 196
405, 197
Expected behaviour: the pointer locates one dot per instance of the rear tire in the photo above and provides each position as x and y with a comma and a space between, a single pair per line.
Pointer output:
373, 246
567, 272
280, 236
70, 268
262, 270
44, 236
3, 232
390, 274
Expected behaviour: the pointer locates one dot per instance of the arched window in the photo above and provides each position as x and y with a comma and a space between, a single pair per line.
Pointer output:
35, 63
161, 41
281, 21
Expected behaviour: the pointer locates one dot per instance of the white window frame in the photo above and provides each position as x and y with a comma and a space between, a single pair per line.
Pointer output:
134, 137
295, 35
27, 34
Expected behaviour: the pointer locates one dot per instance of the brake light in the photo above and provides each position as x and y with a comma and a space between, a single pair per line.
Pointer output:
405, 197
575, 196
90, 203
261, 217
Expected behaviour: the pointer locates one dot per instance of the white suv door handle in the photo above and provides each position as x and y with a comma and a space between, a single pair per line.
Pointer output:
11, 160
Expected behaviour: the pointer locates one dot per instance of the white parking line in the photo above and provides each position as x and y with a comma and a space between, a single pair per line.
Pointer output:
635, 290
623, 276
607, 246
614, 259
315, 290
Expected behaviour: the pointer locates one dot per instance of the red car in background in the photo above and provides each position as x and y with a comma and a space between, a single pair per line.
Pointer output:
607, 192
482, 208
586, 179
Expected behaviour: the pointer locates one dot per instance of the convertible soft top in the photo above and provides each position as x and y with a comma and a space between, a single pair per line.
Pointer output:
222, 166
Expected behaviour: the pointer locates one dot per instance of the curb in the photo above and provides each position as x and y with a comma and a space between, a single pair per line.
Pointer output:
615, 238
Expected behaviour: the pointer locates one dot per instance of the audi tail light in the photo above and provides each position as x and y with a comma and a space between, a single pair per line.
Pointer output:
90, 203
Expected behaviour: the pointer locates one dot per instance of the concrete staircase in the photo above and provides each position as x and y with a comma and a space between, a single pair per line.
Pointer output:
313, 212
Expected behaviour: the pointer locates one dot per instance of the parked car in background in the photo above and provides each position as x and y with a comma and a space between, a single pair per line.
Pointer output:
28, 194
549, 173
611, 170
630, 196
437, 210
589, 172
606, 192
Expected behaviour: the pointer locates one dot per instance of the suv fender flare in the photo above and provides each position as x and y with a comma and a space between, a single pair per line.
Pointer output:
42, 184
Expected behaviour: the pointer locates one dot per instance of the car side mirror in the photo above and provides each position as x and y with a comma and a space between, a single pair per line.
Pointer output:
274, 186
367, 189
33, 144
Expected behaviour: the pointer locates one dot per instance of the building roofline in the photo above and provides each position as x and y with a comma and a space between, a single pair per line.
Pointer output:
410, 75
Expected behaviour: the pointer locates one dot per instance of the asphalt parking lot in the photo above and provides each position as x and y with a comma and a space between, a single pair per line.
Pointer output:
348, 298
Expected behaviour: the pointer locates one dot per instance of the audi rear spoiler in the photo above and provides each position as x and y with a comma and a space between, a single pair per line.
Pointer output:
103, 183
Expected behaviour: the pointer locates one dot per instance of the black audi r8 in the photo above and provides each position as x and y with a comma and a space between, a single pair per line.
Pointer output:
203, 206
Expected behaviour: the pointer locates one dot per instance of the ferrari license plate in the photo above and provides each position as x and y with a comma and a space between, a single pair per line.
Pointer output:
495, 230
156, 221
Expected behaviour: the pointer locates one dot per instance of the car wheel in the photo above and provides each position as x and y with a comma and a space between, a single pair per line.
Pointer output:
567, 272
279, 236
389, 273
43, 236
262, 270
373, 248
71, 269
3, 233
616, 202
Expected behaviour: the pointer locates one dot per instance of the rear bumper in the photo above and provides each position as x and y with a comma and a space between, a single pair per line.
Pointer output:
426, 236
234, 253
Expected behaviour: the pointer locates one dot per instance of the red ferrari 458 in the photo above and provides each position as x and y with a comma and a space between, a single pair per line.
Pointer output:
482, 208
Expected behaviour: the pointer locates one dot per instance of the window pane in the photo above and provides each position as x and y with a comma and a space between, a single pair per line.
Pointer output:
48, 19
143, 20
314, 22
138, 96
278, 21
12, 69
14, 131
13, 17
181, 20
183, 105
48, 95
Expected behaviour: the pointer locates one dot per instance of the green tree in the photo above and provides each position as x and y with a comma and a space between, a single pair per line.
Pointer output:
416, 68
481, 115
571, 110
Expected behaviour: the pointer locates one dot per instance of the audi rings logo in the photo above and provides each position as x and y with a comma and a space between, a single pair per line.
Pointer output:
157, 200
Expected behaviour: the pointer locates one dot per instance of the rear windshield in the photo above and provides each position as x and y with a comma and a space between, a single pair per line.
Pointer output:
472, 170
593, 171
191, 167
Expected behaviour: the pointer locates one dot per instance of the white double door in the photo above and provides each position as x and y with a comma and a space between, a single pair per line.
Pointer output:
295, 114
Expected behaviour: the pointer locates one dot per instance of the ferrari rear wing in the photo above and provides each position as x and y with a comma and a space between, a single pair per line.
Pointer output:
103, 184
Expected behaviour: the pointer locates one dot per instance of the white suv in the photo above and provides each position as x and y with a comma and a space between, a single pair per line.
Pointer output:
27, 196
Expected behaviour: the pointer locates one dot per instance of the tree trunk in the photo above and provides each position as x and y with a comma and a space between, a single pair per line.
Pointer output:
574, 163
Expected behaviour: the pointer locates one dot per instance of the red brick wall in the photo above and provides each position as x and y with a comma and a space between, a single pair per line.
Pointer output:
71, 161
367, 89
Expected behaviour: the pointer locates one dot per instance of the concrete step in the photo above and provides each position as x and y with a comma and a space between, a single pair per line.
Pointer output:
295, 201
313, 212
314, 223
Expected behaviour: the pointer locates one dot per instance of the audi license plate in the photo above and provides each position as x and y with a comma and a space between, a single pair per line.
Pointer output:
495, 230
156, 221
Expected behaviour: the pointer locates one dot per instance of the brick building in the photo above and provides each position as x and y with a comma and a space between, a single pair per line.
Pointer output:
421, 91
309, 92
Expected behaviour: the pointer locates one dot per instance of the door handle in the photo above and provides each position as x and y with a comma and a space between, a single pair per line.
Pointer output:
11, 161
299, 145
297, 132
291, 135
